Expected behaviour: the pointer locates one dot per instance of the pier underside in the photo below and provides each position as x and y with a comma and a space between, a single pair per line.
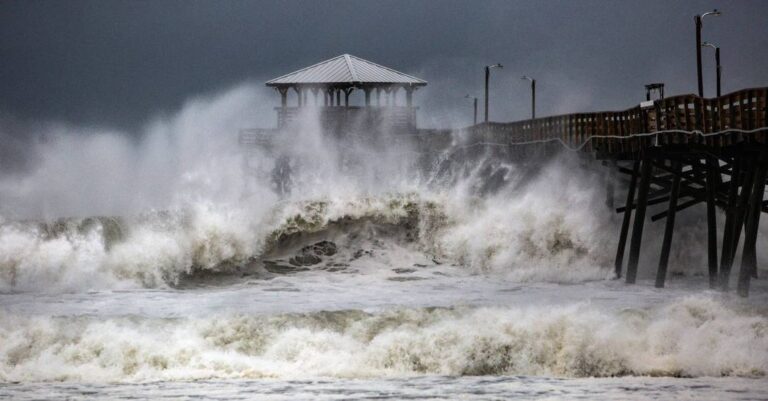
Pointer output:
665, 180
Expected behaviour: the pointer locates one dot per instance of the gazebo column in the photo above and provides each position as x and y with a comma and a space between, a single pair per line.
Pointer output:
367, 91
338, 97
314, 93
283, 96
394, 95
389, 94
378, 97
298, 96
409, 96
347, 92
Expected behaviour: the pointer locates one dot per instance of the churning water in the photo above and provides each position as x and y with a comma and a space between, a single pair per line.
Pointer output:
160, 267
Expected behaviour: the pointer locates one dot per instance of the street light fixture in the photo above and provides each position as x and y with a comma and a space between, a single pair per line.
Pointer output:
533, 94
717, 62
697, 19
487, 77
474, 100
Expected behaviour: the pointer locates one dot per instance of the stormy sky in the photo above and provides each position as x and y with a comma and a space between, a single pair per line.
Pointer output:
119, 63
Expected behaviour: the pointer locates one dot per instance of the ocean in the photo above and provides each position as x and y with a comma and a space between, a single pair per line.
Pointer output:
155, 272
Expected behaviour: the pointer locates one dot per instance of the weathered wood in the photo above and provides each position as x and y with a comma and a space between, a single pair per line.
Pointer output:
625, 221
651, 137
740, 207
698, 197
686, 113
661, 273
749, 255
610, 188
637, 229
726, 257
713, 179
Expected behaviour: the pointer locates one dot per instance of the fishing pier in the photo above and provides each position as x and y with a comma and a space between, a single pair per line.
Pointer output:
677, 152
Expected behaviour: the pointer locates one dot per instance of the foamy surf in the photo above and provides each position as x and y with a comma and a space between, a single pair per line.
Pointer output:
689, 337
161, 249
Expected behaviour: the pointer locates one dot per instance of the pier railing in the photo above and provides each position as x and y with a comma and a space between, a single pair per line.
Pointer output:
684, 119
339, 118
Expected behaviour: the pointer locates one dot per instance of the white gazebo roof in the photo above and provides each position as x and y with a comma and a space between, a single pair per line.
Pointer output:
346, 70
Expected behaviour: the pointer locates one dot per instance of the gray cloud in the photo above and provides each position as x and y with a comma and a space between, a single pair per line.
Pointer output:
120, 63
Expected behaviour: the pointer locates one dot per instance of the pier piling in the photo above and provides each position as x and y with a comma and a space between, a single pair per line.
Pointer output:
661, 274
628, 206
637, 229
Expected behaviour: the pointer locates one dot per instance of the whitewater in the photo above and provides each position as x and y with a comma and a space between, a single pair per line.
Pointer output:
165, 264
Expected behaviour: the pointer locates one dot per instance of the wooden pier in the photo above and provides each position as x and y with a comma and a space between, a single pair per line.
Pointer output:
678, 152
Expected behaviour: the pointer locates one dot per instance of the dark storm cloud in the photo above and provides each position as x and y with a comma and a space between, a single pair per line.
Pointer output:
118, 63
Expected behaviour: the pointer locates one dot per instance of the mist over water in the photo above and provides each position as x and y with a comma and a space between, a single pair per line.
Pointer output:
156, 255
105, 209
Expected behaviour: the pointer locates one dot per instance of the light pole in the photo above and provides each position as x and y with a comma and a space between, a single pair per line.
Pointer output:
717, 62
487, 76
474, 101
533, 95
698, 19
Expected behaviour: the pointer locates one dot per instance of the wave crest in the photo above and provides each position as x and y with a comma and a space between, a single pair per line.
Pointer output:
162, 248
695, 336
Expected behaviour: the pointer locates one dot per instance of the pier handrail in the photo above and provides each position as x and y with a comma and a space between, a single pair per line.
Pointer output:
742, 110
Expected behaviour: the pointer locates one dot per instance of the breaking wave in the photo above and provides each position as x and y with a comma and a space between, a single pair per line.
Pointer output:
188, 208
694, 336
523, 237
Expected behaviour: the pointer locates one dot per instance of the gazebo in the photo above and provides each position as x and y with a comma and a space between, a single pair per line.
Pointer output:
342, 75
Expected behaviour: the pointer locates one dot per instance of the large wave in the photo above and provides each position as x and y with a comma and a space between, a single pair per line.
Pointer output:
184, 205
520, 236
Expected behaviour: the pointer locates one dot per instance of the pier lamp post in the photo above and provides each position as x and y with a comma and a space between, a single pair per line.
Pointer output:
533, 94
474, 101
487, 77
717, 62
698, 19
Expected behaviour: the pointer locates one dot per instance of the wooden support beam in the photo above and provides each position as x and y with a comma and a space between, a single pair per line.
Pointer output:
651, 201
625, 221
637, 229
669, 228
748, 166
696, 176
728, 249
610, 190
680, 207
743, 205
713, 180
749, 255
699, 196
